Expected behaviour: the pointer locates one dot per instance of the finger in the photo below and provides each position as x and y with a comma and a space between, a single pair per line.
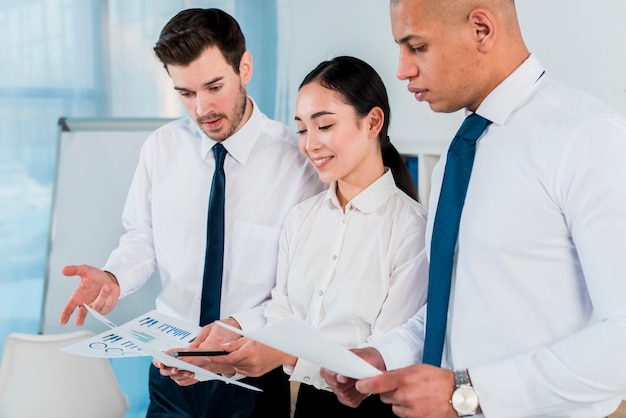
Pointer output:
327, 374
168, 371
81, 315
107, 298
351, 398
399, 410
235, 345
67, 312
100, 304
390, 398
202, 335
185, 381
376, 384
69, 271
342, 379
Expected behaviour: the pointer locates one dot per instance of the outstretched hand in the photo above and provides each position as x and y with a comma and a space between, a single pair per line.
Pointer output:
96, 288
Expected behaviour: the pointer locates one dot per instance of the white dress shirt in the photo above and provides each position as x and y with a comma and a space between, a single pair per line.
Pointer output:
537, 312
166, 215
353, 275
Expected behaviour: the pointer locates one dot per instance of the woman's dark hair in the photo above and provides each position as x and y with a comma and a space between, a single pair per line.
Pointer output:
191, 31
362, 88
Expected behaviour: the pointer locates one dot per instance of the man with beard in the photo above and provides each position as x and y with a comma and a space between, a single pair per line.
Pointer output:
204, 52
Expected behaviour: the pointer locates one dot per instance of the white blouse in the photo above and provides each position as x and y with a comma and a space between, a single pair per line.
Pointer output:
352, 275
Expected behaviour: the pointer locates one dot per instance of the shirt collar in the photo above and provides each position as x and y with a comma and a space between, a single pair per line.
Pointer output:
240, 144
510, 93
369, 200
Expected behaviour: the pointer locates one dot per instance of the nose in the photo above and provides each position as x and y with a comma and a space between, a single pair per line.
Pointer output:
204, 104
406, 67
309, 142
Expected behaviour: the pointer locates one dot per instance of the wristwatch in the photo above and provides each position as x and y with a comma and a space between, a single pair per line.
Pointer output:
464, 398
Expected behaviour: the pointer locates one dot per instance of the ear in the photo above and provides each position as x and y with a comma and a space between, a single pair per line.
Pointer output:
484, 25
245, 67
374, 120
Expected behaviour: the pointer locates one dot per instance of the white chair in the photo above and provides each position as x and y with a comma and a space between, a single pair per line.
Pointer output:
39, 380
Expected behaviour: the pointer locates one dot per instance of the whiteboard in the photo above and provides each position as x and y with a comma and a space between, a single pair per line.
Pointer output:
95, 163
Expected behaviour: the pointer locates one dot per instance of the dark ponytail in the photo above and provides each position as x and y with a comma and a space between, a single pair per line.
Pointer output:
362, 88
397, 165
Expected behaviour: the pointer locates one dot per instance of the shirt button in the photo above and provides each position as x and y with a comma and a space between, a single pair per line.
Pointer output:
306, 378
320, 293
351, 207
334, 257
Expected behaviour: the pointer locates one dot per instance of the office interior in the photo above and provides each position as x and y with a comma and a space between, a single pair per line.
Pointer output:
93, 59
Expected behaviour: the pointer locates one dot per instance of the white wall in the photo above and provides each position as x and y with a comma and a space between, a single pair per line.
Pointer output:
582, 42
322, 29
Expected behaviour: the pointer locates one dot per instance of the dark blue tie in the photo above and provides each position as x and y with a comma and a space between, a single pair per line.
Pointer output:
214, 257
456, 176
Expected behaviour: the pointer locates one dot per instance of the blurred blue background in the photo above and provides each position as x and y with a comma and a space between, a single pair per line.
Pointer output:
91, 59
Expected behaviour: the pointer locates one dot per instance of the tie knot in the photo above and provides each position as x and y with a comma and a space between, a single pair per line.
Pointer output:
472, 127
219, 152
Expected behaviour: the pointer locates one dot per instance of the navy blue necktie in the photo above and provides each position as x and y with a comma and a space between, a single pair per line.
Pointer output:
214, 257
456, 177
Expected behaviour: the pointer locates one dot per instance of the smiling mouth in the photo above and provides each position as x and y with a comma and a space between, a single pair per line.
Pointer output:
320, 162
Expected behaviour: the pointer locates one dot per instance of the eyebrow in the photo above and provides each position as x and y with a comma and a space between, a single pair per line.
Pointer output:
316, 115
205, 85
409, 38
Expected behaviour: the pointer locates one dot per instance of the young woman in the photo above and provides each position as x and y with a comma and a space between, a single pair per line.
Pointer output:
352, 261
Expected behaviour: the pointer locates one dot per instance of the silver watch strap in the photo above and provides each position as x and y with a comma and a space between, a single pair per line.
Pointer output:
461, 377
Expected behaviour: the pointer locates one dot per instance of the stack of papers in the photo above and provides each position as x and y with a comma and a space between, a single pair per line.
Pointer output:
153, 333
294, 336
147, 335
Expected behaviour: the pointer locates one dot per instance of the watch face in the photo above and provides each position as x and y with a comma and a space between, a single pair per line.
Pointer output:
464, 400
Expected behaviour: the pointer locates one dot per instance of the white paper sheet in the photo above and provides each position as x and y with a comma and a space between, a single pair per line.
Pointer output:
149, 334
160, 331
294, 336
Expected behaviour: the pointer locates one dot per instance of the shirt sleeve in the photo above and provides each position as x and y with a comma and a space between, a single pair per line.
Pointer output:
278, 306
582, 369
133, 261
403, 346
408, 281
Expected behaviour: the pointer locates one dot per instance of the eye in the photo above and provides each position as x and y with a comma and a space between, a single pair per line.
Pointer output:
325, 127
418, 48
185, 93
215, 89
301, 132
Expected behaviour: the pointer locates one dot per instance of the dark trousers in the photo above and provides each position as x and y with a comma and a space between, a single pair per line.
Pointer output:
216, 399
315, 403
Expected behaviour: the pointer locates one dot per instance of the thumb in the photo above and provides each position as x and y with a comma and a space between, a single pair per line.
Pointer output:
231, 346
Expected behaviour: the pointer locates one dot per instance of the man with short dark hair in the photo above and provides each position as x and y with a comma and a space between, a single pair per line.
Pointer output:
533, 320
264, 175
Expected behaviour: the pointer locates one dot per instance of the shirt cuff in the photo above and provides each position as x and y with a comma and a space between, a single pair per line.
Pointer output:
251, 319
396, 351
